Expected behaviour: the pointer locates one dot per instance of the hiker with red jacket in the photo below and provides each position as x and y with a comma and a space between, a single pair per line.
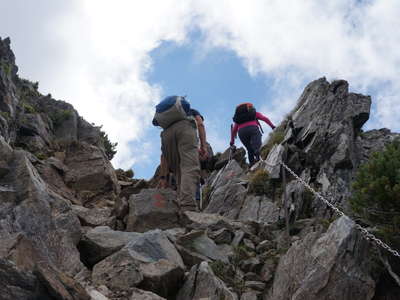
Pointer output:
246, 123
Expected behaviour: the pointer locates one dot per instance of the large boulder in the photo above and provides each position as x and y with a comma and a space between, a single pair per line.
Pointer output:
332, 266
102, 241
28, 207
152, 209
227, 200
90, 173
150, 261
227, 191
203, 284
196, 247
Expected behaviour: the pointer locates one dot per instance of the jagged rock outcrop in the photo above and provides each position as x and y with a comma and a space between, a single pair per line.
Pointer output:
329, 266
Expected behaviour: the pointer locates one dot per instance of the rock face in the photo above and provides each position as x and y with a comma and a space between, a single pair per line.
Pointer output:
71, 227
328, 267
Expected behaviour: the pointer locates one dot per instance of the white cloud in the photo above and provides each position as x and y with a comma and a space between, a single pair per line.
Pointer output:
298, 41
100, 53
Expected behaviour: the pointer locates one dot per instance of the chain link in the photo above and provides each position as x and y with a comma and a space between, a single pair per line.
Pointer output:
364, 232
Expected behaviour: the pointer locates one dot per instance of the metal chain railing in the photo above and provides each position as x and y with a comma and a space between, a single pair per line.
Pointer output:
364, 232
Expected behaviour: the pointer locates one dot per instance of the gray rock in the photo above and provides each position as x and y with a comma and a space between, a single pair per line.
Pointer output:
94, 217
255, 285
238, 155
59, 285
196, 220
239, 235
268, 269
221, 236
265, 245
249, 244
259, 209
42, 216
102, 241
121, 208
90, 173
326, 267
250, 295
138, 294
252, 264
119, 271
227, 200
203, 284
149, 261
198, 247
151, 209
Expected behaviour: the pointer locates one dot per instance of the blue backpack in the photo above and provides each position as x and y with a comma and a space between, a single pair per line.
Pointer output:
171, 110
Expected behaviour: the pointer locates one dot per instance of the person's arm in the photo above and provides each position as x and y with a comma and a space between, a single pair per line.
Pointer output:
202, 135
261, 117
162, 183
233, 134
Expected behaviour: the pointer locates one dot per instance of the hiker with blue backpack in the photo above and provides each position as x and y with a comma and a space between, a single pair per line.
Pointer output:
180, 147
247, 124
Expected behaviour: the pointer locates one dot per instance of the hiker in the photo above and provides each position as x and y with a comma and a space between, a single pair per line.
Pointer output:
246, 123
179, 147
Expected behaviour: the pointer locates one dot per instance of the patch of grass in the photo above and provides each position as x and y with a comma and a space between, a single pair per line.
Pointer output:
5, 114
59, 116
261, 184
28, 108
7, 68
41, 156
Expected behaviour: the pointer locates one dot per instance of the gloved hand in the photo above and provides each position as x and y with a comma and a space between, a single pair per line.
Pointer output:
273, 127
231, 144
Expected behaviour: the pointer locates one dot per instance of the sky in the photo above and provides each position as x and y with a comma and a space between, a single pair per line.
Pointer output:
115, 60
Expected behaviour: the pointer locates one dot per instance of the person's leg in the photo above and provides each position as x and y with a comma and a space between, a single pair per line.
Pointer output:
255, 142
245, 138
187, 144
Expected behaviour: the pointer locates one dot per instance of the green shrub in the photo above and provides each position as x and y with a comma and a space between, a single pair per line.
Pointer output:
28, 108
129, 173
59, 116
109, 147
376, 193
7, 68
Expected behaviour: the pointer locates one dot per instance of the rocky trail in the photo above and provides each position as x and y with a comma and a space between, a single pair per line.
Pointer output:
72, 227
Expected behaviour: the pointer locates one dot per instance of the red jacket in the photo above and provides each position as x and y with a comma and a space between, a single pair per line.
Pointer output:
259, 116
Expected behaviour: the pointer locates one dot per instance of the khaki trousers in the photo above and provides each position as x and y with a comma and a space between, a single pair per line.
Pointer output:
179, 144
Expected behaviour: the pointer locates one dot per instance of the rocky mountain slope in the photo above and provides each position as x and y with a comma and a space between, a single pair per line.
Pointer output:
72, 227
